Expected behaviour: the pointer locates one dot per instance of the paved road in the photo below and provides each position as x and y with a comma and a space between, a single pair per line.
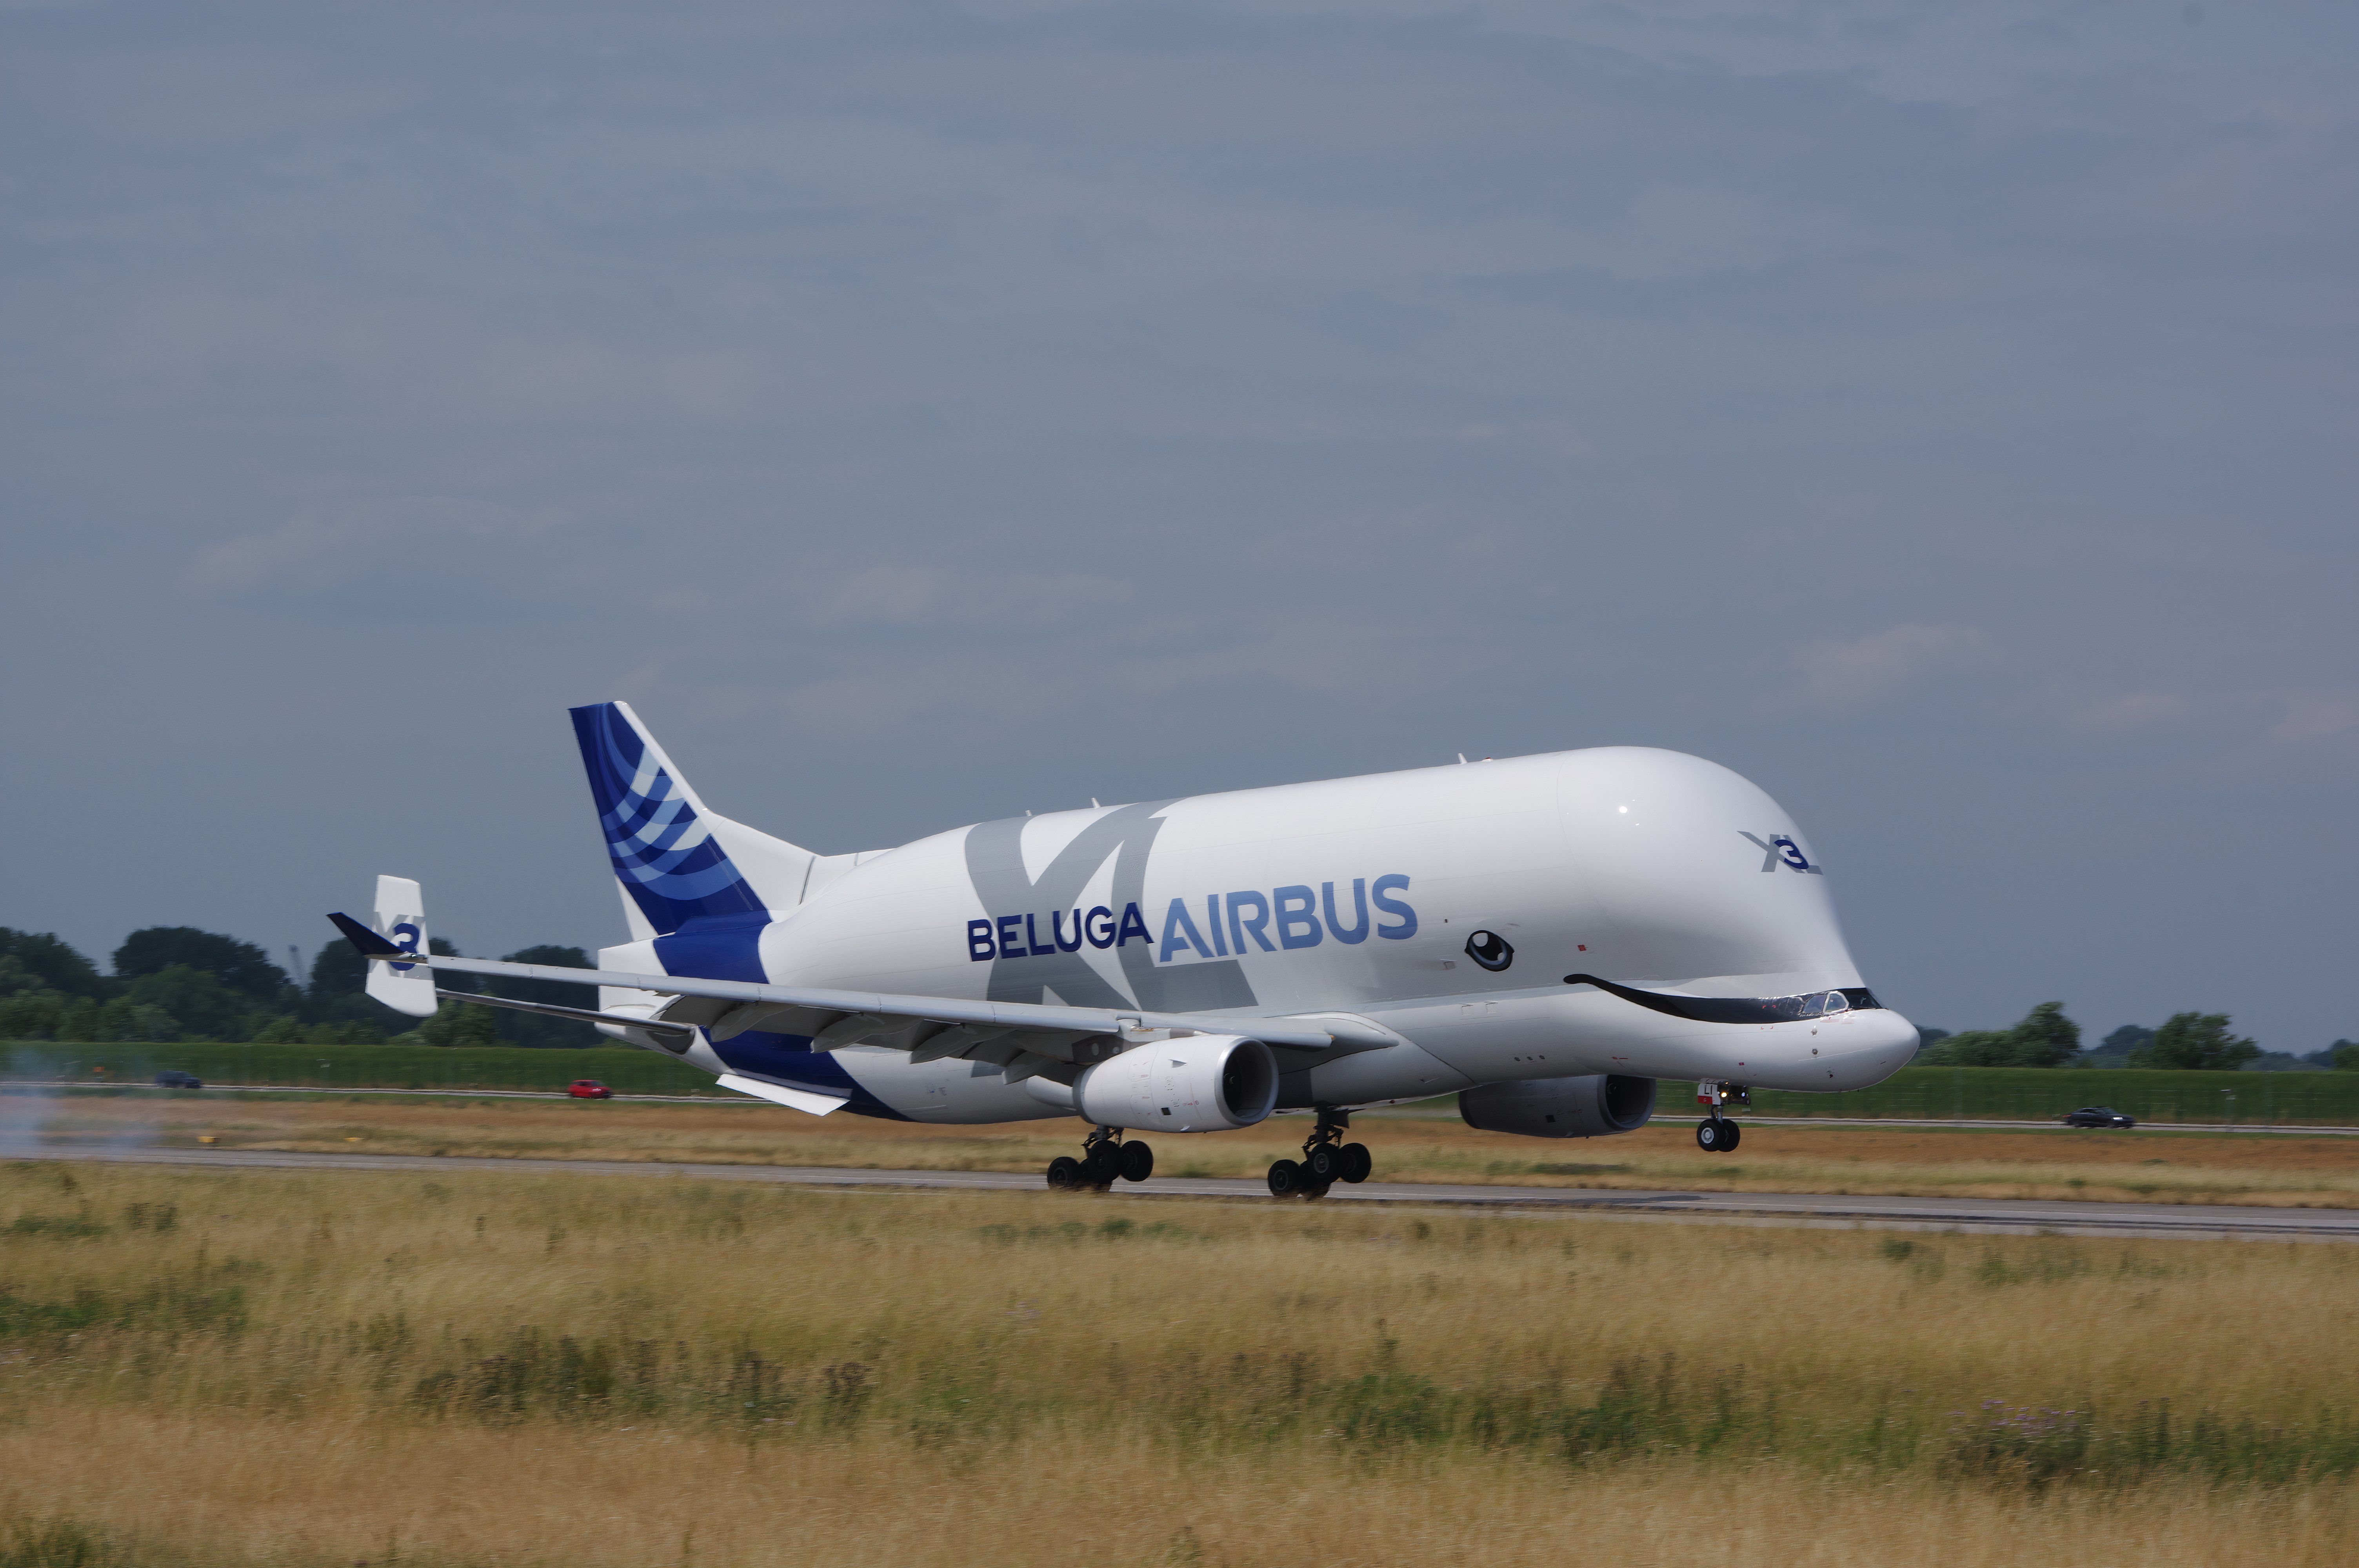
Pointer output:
1973, 1216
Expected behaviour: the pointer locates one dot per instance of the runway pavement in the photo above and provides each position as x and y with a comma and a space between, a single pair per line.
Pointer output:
1968, 1216
1411, 1113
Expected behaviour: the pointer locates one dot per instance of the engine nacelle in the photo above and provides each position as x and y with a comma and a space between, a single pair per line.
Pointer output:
1590, 1107
1196, 1082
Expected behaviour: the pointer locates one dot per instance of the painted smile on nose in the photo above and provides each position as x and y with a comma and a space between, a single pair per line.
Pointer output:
1738, 1009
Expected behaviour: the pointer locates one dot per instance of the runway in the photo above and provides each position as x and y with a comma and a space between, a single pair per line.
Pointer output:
1411, 1113
1842, 1211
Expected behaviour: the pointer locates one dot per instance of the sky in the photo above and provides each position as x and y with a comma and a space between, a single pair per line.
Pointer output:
1941, 415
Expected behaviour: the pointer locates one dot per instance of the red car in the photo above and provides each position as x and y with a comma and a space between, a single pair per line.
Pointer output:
589, 1088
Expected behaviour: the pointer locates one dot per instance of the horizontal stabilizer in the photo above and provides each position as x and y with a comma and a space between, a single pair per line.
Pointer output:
779, 1094
369, 943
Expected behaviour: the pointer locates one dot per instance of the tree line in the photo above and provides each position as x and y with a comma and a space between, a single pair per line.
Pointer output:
176, 982
2200, 1042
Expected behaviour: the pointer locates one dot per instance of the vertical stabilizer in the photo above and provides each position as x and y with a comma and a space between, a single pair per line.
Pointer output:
676, 861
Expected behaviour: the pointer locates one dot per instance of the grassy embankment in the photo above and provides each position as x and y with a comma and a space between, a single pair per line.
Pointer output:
2025, 1094
2151, 1166
1916, 1093
301, 1368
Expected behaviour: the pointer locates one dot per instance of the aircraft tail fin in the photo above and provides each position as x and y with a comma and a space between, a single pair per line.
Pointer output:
675, 860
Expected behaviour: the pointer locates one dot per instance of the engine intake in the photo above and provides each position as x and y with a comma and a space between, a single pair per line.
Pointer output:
1196, 1082
1591, 1106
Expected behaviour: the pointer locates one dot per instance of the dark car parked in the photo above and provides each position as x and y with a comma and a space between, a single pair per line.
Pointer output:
2098, 1116
172, 1080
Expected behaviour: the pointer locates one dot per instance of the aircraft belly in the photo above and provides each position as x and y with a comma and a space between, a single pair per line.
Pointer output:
1563, 1034
1395, 1073
1486, 1039
951, 1091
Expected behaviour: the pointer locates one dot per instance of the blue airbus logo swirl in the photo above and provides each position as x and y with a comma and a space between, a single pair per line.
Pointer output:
667, 861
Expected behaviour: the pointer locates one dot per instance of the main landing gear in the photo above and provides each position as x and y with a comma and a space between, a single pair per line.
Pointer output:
1105, 1158
1326, 1160
1715, 1134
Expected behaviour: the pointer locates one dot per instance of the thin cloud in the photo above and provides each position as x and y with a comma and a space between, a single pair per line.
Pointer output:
1876, 668
331, 546
911, 595
2316, 715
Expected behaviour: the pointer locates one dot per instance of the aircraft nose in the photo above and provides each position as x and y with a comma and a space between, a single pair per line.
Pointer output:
1891, 1029
1881, 1043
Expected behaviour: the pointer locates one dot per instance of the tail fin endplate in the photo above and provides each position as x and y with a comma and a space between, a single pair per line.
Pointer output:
401, 922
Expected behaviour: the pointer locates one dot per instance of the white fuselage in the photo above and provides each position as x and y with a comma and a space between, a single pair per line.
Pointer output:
1359, 896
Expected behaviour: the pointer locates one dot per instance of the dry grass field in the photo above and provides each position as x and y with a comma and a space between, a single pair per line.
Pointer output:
2149, 1165
306, 1368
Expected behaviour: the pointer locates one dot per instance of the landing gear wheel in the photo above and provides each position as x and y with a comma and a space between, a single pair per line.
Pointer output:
1286, 1179
1137, 1162
1323, 1164
1102, 1164
1357, 1161
1715, 1135
1732, 1135
1065, 1174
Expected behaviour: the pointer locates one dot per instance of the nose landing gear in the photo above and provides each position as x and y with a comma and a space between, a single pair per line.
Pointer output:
1326, 1160
1715, 1134
1105, 1159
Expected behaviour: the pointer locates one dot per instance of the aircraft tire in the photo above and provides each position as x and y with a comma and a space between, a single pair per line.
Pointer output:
1731, 1136
1286, 1179
1103, 1165
1323, 1164
1137, 1160
1065, 1174
1357, 1163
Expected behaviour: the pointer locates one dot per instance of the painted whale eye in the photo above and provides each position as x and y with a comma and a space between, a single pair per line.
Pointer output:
1490, 949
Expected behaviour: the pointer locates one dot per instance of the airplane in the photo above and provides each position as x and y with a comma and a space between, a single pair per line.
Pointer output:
1546, 936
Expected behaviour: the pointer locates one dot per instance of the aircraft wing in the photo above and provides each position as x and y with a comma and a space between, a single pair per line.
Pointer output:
1022, 1038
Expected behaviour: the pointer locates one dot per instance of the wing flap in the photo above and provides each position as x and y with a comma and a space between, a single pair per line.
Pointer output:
781, 1094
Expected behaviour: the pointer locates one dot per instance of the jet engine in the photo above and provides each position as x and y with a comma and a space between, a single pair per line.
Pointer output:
1589, 1107
1194, 1083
